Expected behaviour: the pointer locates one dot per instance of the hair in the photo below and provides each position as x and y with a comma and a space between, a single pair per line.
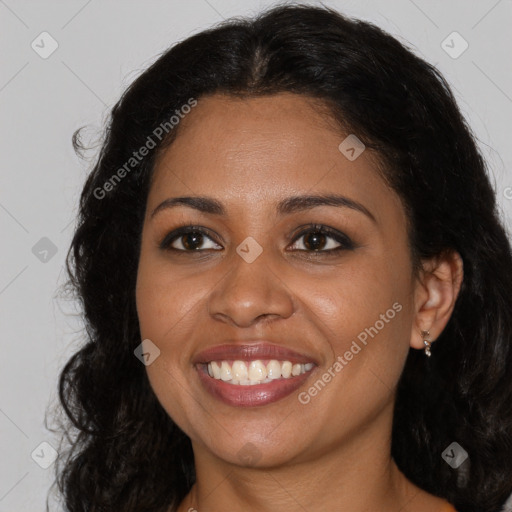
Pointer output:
125, 452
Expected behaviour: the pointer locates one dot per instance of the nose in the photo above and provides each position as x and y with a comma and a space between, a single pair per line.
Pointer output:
249, 292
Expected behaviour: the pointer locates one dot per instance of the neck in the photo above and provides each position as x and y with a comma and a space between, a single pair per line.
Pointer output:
358, 476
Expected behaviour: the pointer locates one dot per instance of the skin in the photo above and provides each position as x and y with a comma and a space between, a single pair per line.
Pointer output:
334, 452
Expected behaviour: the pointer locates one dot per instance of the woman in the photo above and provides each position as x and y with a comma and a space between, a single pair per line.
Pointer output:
296, 285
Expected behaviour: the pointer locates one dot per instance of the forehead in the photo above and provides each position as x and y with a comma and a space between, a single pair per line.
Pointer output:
261, 149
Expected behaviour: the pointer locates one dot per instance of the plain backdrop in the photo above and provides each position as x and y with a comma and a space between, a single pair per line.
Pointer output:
102, 47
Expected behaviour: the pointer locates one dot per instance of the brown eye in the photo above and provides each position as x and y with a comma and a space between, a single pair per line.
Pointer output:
321, 239
189, 239
314, 241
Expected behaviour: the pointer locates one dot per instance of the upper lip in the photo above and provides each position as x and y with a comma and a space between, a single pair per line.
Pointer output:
248, 351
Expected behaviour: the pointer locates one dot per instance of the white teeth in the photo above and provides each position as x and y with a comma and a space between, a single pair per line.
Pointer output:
296, 370
215, 369
286, 369
225, 371
273, 369
239, 371
255, 372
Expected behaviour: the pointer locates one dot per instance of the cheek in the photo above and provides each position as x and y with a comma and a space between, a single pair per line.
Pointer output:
150, 304
363, 311
166, 304
166, 314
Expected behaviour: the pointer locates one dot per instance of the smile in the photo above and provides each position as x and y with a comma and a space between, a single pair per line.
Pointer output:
250, 373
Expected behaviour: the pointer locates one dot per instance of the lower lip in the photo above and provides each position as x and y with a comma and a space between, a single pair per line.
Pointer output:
253, 395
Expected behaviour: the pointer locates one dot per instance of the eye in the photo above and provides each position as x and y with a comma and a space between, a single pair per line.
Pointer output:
322, 239
316, 238
189, 239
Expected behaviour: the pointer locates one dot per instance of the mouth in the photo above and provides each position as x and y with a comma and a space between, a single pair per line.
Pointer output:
252, 375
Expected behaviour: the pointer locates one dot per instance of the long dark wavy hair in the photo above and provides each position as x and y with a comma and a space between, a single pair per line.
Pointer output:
121, 451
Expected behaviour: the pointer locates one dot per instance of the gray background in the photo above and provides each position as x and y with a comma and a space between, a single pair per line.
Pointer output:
102, 47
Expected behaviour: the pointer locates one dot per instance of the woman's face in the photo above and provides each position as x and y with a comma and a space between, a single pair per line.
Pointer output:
259, 284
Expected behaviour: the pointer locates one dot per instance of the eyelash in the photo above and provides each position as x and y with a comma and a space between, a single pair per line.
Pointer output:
344, 241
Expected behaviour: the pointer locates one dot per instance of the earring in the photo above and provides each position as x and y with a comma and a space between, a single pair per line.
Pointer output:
426, 342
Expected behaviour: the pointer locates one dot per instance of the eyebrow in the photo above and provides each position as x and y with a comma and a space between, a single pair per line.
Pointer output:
286, 206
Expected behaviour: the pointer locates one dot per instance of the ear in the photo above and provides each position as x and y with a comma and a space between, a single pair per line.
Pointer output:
435, 293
